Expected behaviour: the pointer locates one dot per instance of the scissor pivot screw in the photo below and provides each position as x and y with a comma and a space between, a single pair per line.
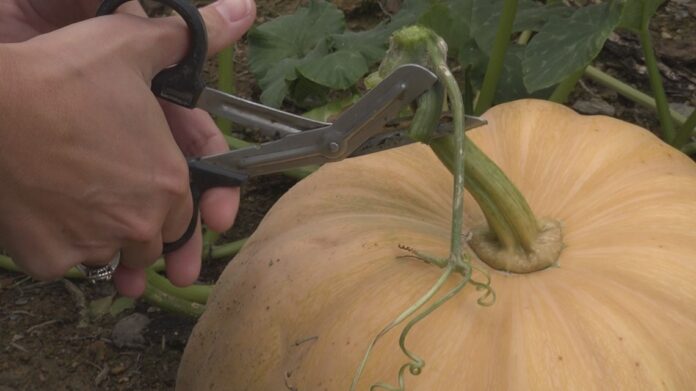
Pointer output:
334, 147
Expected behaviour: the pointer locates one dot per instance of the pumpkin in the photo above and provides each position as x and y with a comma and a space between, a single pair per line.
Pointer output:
297, 308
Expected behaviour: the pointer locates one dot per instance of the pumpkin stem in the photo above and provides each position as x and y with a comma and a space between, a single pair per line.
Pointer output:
514, 239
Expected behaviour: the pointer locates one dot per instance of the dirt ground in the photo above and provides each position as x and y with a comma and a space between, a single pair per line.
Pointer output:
46, 342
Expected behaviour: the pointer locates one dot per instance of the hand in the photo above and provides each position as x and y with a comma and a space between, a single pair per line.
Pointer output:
87, 157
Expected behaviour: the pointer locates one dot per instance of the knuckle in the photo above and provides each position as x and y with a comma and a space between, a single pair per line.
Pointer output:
48, 271
142, 229
176, 179
52, 268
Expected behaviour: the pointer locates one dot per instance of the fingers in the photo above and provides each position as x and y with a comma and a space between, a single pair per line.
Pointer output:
197, 135
184, 264
129, 282
226, 21
219, 208
139, 255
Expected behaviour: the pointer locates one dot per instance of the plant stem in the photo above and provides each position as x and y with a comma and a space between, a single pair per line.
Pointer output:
507, 212
656, 84
172, 303
514, 239
226, 83
689, 126
457, 106
565, 88
194, 293
209, 238
227, 250
497, 57
628, 91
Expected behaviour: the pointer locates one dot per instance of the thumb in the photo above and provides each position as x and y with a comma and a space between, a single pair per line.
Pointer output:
226, 21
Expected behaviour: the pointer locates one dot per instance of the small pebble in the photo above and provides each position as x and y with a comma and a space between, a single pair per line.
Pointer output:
594, 107
129, 331
22, 301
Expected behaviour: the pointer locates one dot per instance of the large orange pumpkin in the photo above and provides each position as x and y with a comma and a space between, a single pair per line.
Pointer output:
296, 309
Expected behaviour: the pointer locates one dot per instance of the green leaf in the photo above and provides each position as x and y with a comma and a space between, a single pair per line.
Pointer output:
275, 83
409, 13
100, 307
276, 47
338, 70
371, 44
121, 304
451, 21
531, 15
293, 36
637, 12
567, 45
511, 84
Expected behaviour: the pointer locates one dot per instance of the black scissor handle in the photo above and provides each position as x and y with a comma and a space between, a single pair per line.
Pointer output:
204, 176
182, 83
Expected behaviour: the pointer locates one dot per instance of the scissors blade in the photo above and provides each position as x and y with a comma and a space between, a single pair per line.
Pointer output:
336, 141
266, 120
399, 137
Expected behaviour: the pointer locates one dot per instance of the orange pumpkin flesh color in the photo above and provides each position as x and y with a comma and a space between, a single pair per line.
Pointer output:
296, 309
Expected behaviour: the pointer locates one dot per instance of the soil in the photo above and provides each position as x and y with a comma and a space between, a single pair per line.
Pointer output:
46, 341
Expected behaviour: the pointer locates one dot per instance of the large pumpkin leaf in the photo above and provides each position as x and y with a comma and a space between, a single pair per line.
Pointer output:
287, 47
277, 47
409, 13
567, 45
338, 70
451, 20
531, 15
275, 83
636, 12
293, 36
371, 44
511, 84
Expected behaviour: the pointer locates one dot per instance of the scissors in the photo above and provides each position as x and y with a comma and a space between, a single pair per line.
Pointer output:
360, 130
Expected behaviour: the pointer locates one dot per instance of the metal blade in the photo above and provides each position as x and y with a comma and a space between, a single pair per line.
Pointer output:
337, 141
399, 138
266, 120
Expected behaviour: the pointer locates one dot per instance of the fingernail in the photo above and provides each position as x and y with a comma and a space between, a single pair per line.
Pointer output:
234, 10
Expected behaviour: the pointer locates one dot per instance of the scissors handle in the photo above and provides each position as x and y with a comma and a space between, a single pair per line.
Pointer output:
182, 83
204, 176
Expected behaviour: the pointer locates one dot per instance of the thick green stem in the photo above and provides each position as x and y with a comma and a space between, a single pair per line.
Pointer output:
172, 303
226, 250
195, 293
656, 84
628, 92
497, 57
688, 127
209, 238
565, 88
507, 212
514, 239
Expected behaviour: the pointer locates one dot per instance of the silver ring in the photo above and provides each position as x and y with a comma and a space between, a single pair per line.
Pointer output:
96, 274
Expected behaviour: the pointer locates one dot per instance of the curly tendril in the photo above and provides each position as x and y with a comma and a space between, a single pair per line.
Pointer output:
429, 110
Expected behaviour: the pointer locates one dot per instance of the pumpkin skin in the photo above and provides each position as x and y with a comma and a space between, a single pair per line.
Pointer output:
320, 277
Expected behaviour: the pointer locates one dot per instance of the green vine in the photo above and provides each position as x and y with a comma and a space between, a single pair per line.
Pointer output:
457, 262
